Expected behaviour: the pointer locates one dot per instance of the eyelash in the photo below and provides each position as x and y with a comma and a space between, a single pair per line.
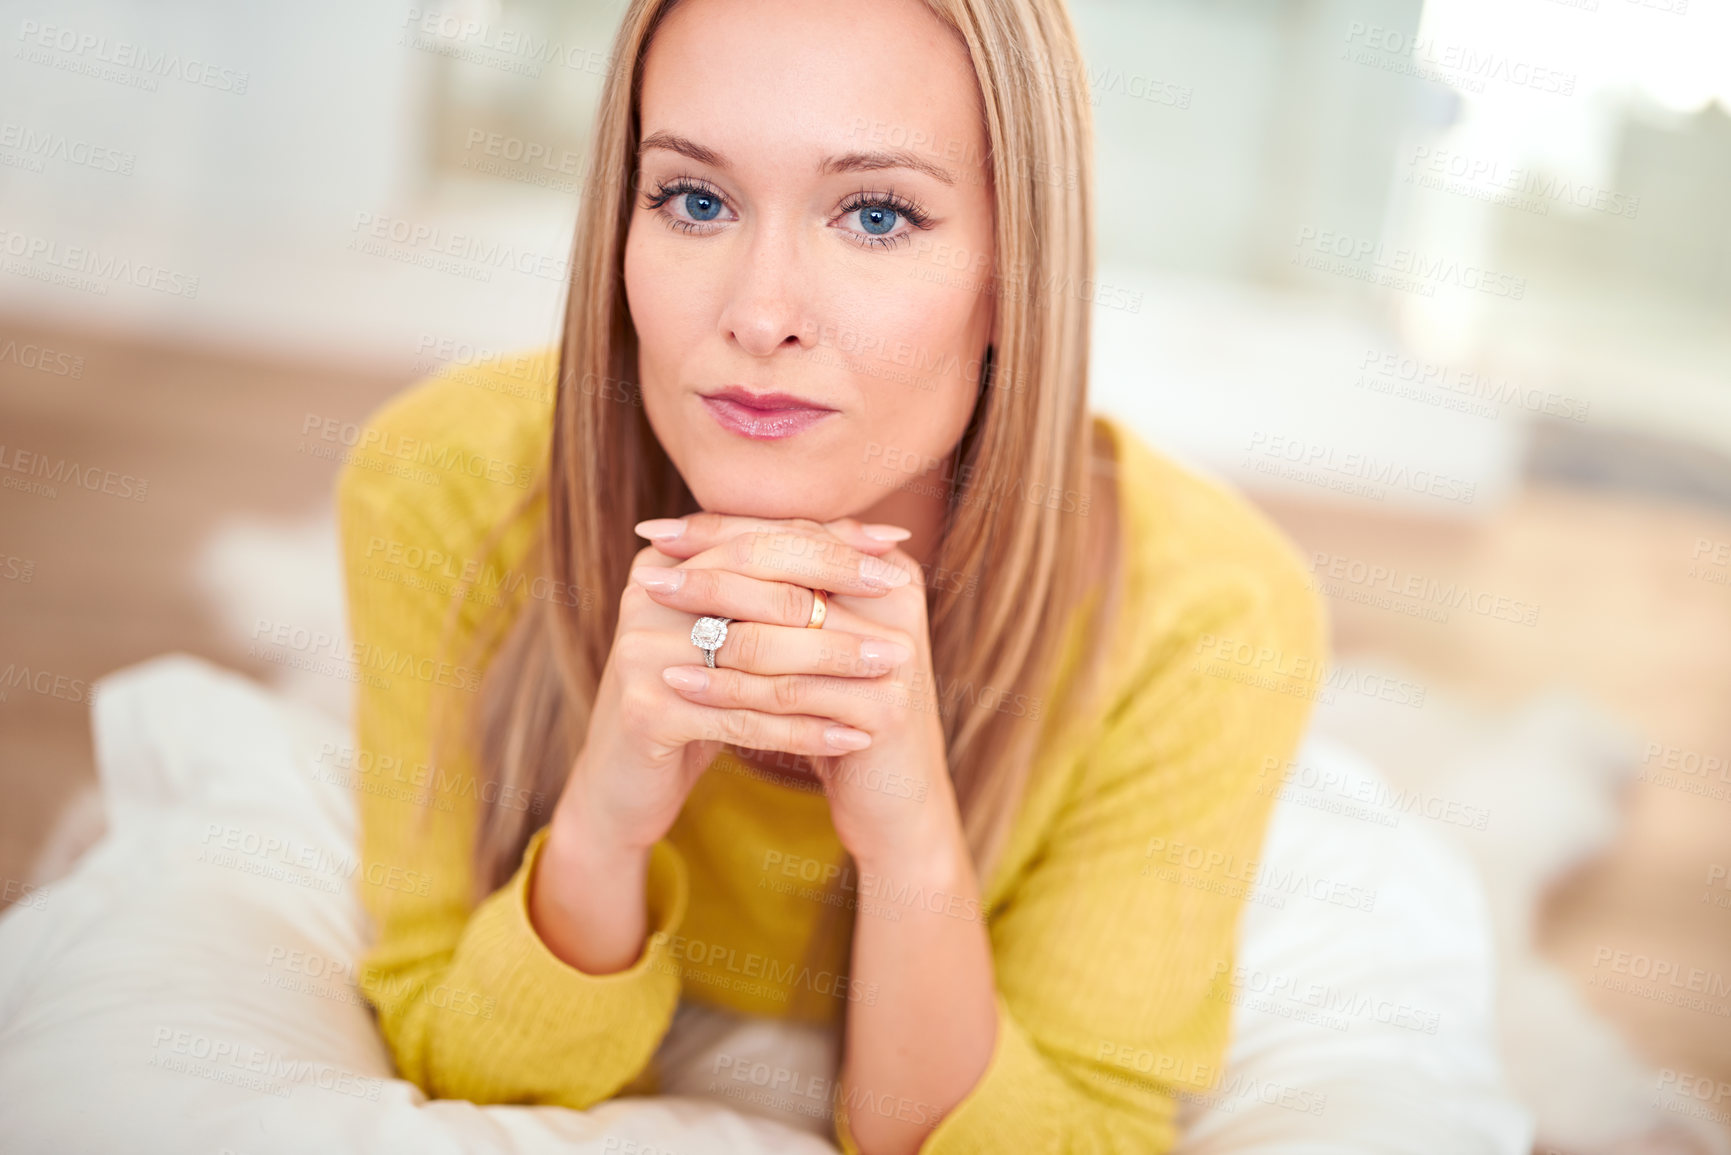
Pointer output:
909, 210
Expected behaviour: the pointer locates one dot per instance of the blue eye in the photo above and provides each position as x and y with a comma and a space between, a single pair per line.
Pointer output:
882, 215
878, 219
702, 206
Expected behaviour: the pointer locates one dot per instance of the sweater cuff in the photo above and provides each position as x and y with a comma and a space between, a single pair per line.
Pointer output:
621, 1015
1004, 1110
999, 1113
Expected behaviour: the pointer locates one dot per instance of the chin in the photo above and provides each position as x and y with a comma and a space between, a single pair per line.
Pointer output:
771, 499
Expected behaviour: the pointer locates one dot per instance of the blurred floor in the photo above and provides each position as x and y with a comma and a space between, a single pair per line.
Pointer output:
1632, 619
1628, 614
109, 579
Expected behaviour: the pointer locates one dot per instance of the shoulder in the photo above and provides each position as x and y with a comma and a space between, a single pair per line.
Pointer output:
455, 453
1202, 567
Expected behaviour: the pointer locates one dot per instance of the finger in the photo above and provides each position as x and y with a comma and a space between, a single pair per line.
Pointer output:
758, 648
839, 699
813, 559
871, 537
898, 557
652, 555
724, 593
791, 733
694, 533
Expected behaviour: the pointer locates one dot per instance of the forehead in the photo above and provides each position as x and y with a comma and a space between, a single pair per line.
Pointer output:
756, 79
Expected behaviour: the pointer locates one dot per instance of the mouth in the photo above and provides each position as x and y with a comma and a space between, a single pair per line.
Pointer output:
763, 416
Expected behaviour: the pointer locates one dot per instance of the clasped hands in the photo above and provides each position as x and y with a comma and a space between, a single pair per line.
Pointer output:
856, 697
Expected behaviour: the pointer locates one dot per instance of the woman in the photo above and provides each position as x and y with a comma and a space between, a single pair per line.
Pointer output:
972, 773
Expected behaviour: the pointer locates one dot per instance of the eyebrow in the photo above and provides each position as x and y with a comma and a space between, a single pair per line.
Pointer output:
870, 160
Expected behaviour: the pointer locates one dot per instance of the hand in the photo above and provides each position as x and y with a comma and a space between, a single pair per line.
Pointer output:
647, 743
888, 800
892, 802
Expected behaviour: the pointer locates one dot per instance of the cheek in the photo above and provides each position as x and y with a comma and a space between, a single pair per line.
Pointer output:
921, 340
667, 301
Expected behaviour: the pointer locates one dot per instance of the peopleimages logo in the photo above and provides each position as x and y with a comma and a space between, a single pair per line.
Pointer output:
89, 270
377, 443
442, 250
39, 145
86, 52
42, 359
757, 973
1364, 259
1517, 186
40, 474
1365, 474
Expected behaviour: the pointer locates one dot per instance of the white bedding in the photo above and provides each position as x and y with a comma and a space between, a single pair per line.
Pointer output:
186, 988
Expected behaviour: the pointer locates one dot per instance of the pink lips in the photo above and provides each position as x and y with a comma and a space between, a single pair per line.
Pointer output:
763, 416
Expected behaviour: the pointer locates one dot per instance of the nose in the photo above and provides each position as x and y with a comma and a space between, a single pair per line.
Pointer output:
767, 309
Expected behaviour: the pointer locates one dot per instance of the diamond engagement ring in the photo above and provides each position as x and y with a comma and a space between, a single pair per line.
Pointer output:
707, 635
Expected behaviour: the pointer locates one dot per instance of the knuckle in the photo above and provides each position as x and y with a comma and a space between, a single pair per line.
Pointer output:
806, 734
796, 603
630, 641
633, 599
636, 711
736, 724
789, 693
702, 584
748, 647
741, 549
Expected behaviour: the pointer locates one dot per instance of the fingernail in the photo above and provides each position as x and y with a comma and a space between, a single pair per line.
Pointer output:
659, 578
682, 678
847, 738
883, 652
886, 532
660, 528
876, 571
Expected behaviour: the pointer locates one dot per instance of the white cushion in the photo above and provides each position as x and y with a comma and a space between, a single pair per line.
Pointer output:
187, 987
1364, 1009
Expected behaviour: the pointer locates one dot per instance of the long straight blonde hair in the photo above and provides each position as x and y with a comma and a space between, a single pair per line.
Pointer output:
1029, 437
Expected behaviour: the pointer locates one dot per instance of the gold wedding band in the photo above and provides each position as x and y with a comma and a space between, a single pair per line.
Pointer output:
819, 610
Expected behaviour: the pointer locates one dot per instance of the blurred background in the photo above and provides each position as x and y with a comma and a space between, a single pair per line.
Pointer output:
1445, 286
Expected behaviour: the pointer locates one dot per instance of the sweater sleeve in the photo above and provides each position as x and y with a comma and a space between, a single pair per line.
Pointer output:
470, 1000
1114, 952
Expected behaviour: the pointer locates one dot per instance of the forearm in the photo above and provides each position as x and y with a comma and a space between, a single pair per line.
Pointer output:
920, 939
586, 899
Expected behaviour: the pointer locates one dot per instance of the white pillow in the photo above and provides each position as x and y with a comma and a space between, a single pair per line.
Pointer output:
1364, 1009
187, 987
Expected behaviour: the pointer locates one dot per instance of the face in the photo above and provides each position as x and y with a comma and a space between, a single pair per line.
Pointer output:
809, 253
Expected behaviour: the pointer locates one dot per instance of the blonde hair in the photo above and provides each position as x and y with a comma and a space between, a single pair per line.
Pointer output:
1029, 436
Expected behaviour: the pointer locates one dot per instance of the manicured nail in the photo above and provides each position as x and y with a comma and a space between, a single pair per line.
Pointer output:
659, 578
847, 738
886, 532
660, 528
875, 571
883, 652
685, 678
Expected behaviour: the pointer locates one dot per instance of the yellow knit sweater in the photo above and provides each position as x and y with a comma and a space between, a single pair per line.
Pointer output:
1112, 909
